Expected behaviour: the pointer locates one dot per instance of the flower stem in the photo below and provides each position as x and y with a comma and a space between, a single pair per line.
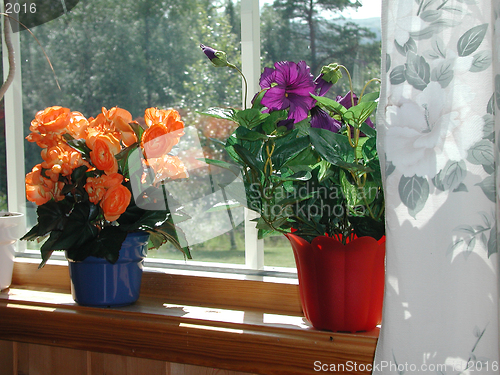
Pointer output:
244, 80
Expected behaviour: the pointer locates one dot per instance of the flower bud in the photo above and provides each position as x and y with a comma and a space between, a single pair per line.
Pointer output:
331, 73
218, 58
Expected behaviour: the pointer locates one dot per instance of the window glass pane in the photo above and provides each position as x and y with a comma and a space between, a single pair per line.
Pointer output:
137, 54
350, 38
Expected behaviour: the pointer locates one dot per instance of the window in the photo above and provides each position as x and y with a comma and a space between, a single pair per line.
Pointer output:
139, 54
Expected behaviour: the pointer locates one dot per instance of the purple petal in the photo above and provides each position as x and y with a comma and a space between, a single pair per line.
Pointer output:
275, 99
321, 119
346, 101
287, 123
267, 78
209, 51
299, 107
322, 86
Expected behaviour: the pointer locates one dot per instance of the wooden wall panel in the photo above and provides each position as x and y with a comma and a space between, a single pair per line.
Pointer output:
181, 369
7, 357
21, 358
111, 364
45, 360
33, 359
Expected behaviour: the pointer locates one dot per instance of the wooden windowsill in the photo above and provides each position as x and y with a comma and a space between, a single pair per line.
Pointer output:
215, 321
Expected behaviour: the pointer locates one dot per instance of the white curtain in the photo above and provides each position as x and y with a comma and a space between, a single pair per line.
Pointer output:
437, 118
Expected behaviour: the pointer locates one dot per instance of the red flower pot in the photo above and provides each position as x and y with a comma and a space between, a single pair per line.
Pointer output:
341, 286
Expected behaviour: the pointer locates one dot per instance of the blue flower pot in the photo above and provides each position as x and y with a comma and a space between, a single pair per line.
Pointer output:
96, 282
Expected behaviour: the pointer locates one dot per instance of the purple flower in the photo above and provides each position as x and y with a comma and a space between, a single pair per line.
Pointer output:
321, 119
322, 86
330, 74
286, 123
289, 86
218, 58
346, 101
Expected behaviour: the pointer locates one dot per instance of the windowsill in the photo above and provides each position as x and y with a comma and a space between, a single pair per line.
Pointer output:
208, 320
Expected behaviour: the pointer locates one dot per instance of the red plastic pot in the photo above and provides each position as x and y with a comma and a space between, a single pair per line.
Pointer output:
341, 286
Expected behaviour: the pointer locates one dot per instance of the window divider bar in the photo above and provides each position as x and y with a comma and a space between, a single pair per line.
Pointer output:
14, 134
250, 63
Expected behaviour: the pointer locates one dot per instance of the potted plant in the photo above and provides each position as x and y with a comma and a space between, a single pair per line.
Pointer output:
101, 196
11, 224
311, 171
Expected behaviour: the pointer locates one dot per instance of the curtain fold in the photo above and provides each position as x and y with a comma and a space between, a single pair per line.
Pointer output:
436, 120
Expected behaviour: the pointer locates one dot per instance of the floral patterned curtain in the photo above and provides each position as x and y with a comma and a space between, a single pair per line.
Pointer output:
437, 117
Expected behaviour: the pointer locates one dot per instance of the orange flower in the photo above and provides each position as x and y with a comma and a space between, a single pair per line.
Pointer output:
167, 167
39, 189
158, 141
103, 157
77, 125
61, 159
51, 119
115, 202
164, 131
168, 117
96, 187
48, 126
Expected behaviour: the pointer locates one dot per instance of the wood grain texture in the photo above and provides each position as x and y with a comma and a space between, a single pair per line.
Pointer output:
7, 357
111, 364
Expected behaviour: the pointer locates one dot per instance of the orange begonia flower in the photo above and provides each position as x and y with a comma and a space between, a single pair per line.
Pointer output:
77, 125
158, 141
168, 117
103, 157
52, 120
96, 187
167, 167
115, 202
39, 189
61, 159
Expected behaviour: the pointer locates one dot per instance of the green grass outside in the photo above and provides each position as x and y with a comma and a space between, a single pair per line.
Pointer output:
277, 250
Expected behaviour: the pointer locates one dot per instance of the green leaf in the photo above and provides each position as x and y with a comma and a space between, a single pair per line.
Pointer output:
138, 130
288, 151
249, 135
249, 159
304, 158
330, 104
492, 242
358, 114
271, 122
79, 145
332, 147
368, 130
451, 176
443, 73
235, 169
482, 153
397, 75
222, 113
250, 118
488, 187
497, 90
482, 61
470, 41
414, 192
370, 97
417, 71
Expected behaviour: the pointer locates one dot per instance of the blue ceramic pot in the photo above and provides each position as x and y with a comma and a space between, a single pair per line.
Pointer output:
96, 282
